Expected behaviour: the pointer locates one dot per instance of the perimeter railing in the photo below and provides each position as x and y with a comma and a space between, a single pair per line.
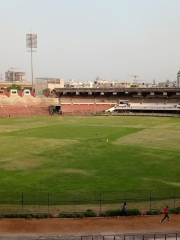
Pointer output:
80, 201
156, 236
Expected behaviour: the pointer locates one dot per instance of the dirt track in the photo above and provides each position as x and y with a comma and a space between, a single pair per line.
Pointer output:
56, 228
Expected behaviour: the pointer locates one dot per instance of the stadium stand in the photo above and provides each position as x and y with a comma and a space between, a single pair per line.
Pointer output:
71, 102
136, 100
173, 100
19, 104
17, 100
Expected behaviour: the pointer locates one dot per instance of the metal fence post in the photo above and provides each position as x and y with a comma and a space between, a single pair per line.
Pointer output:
174, 198
48, 202
150, 200
74, 202
22, 202
100, 201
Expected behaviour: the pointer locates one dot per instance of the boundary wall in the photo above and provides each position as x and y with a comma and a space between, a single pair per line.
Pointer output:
24, 111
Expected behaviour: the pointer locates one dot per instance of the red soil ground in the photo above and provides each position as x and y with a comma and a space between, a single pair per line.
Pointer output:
90, 226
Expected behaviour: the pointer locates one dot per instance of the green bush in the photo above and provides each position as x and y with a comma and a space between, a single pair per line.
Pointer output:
175, 210
27, 88
103, 214
47, 89
66, 215
14, 215
40, 216
17, 215
29, 216
90, 213
50, 216
14, 86
79, 215
133, 212
24, 215
154, 212
118, 212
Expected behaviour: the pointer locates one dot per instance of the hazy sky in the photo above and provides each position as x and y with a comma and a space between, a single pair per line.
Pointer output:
83, 39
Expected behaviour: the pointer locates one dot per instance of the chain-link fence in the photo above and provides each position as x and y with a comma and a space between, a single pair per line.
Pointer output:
80, 201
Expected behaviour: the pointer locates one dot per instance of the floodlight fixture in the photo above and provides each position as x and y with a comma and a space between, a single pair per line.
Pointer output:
31, 44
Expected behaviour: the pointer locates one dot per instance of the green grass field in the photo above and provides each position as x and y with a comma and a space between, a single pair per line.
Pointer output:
71, 153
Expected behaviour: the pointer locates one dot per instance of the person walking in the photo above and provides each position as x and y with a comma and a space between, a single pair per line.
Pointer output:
124, 211
166, 215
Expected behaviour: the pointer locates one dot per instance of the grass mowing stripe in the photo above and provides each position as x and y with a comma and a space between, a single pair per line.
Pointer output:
64, 153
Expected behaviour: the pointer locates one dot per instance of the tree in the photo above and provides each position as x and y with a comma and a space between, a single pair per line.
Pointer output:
14, 86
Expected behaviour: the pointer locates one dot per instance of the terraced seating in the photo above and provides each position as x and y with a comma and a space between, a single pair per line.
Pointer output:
136, 100
135, 104
161, 100
106, 100
150, 100
27, 100
125, 97
100, 107
174, 100
82, 100
83, 107
136, 96
4, 100
65, 100
175, 96
151, 105
148, 96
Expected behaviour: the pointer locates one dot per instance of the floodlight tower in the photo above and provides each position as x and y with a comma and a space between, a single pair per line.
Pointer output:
31, 44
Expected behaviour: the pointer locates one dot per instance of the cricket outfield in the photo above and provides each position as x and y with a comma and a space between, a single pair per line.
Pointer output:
72, 153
